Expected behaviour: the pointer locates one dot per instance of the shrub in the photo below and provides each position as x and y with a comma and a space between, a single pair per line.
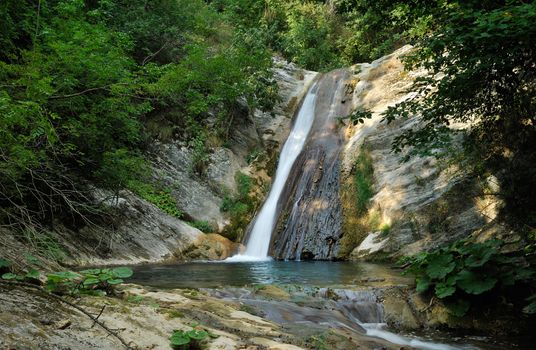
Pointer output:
202, 225
240, 207
364, 180
91, 281
160, 197
463, 269
190, 340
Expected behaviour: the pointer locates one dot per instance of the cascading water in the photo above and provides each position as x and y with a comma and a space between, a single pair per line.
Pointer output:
259, 240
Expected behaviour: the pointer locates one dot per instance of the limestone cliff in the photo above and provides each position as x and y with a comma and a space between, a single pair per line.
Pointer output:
417, 204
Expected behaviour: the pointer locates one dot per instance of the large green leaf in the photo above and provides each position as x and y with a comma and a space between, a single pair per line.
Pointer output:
122, 272
115, 281
445, 289
474, 283
179, 338
440, 265
423, 283
9, 276
90, 281
197, 334
479, 254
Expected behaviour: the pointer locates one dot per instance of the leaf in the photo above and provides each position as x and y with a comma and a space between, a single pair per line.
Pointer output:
179, 338
122, 272
480, 254
91, 271
197, 334
5, 263
90, 281
423, 283
33, 273
105, 277
474, 283
115, 281
440, 265
9, 276
458, 307
443, 290
68, 275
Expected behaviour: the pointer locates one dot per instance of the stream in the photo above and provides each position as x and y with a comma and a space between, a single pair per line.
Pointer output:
301, 219
311, 297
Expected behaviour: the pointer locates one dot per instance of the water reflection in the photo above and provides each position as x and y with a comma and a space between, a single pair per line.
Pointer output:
215, 274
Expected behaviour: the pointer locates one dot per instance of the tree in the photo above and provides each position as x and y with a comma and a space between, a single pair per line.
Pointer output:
481, 66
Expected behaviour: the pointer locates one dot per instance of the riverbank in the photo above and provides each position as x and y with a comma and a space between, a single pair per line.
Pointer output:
258, 317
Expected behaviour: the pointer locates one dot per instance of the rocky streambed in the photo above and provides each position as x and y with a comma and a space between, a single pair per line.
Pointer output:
377, 310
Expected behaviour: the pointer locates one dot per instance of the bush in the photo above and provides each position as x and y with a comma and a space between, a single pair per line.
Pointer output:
202, 225
239, 207
91, 281
463, 269
162, 198
190, 340
364, 180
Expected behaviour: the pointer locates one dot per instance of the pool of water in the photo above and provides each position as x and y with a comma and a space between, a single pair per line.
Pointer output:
219, 274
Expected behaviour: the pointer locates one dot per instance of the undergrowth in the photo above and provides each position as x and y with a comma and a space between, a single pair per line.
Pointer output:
364, 180
463, 270
162, 198
240, 207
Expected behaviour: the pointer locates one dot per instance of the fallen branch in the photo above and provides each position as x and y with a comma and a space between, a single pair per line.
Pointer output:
99, 315
60, 299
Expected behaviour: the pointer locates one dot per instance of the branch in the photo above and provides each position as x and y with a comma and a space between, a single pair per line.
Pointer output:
56, 97
105, 87
57, 298
151, 56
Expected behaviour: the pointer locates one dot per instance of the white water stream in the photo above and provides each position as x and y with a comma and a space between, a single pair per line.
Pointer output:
259, 240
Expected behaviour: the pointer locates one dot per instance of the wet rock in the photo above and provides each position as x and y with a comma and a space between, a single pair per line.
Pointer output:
211, 247
310, 223
274, 292
397, 311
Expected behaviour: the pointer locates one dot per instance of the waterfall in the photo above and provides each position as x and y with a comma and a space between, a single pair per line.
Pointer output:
259, 239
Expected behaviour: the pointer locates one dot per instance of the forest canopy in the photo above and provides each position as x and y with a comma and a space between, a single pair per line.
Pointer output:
87, 84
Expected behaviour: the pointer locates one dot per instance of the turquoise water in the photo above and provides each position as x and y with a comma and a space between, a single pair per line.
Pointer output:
218, 274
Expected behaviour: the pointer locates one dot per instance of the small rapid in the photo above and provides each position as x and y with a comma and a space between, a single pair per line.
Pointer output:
259, 240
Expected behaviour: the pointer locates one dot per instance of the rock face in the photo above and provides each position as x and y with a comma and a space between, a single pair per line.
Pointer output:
200, 196
418, 204
310, 224
144, 233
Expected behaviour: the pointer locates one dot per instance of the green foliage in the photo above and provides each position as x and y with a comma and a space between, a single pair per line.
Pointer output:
322, 35
240, 207
385, 229
189, 340
484, 54
364, 180
202, 225
357, 117
80, 81
91, 281
4, 263
254, 155
462, 269
162, 198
